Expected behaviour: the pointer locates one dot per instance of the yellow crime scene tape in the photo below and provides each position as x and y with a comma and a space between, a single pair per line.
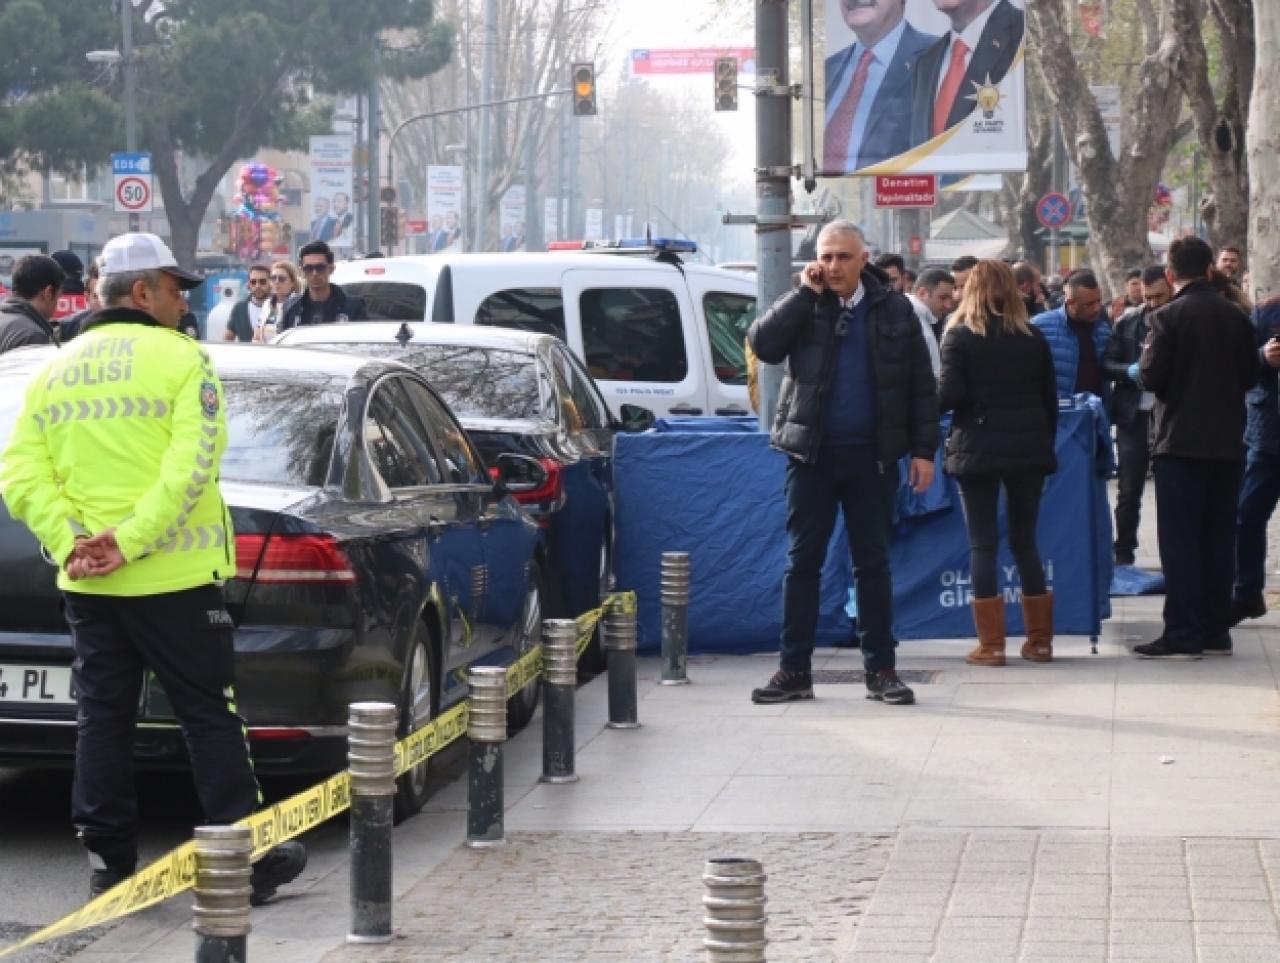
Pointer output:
175, 871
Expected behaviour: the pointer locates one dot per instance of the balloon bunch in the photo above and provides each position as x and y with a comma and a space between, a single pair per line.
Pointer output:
1161, 208
257, 211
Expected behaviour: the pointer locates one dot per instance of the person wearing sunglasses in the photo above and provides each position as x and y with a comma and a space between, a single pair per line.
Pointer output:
246, 316
321, 302
285, 288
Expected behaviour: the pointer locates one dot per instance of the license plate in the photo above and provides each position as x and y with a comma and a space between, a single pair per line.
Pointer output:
48, 685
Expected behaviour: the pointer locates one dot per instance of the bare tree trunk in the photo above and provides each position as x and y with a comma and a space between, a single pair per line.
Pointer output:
1119, 191
1264, 156
1219, 126
1020, 194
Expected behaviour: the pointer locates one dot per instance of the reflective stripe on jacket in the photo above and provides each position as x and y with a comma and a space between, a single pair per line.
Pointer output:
125, 428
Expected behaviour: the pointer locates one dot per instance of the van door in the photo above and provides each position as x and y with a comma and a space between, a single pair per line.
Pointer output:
637, 333
725, 308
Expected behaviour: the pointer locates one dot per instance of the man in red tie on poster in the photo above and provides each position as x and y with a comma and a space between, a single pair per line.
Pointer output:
869, 86
978, 50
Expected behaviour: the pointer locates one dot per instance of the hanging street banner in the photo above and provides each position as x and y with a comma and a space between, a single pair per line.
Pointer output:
551, 218
649, 62
332, 176
444, 207
925, 87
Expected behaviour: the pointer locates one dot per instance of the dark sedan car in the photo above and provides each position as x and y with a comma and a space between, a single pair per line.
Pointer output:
523, 393
377, 559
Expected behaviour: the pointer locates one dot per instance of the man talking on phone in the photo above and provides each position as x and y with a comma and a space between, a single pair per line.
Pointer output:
858, 395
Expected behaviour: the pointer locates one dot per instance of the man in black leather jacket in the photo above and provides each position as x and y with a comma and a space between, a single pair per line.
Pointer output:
858, 395
1130, 408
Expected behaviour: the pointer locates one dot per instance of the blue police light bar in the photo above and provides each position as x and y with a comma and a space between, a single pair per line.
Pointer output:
635, 245
673, 245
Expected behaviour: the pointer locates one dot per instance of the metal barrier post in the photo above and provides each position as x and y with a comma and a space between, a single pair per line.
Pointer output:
371, 764
620, 642
735, 918
221, 911
560, 668
487, 729
675, 617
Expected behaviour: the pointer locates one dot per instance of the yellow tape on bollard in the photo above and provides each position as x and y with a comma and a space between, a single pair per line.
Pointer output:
175, 871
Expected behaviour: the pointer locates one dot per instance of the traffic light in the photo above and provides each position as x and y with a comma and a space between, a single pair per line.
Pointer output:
584, 89
726, 72
390, 227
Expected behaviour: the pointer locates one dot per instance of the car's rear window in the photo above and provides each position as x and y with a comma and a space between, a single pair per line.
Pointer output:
279, 433
475, 382
390, 300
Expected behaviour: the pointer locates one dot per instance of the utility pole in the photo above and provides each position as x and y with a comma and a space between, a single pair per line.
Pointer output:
773, 178
486, 121
533, 239
375, 182
129, 67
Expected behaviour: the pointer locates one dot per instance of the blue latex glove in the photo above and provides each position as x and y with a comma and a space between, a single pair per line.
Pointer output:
1133, 371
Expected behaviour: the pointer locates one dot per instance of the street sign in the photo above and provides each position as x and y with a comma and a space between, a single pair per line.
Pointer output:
1053, 210
908, 190
415, 227
133, 189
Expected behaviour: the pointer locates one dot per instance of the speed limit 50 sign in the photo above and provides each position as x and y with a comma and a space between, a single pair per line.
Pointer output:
133, 190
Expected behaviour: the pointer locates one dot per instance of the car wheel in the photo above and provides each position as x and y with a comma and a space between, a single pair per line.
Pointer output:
417, 708
521, 706
593, 660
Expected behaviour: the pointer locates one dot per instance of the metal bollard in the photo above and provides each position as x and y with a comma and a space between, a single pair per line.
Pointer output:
487, 729
735, 918
675, 618
221, 913
619, 640
371, 764
560, 667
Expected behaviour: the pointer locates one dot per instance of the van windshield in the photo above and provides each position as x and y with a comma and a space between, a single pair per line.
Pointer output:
390, 300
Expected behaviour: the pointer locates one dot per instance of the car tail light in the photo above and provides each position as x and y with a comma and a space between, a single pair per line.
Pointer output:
292, 559
549, 491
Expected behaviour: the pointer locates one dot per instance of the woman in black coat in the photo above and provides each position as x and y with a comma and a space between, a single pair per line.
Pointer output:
997, 378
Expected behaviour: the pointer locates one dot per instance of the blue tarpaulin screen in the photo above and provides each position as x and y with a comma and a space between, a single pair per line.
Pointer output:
719, 497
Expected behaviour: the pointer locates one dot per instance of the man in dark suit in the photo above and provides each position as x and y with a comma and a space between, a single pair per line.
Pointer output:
979, 49
869, 86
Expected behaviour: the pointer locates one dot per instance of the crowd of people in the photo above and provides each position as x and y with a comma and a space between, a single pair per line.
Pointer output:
874, 355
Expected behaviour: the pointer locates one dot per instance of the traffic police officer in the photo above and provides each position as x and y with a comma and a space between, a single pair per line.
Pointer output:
113, 464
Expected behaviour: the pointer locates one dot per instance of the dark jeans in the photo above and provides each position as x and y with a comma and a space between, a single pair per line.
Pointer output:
1133, 444
1195, 514
849, 479
980, 495
185, 639
1259, 493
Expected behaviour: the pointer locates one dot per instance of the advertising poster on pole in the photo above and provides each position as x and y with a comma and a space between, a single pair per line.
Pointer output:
551, 218
594, 226
511, 219
332, 174
925, 87
444, 207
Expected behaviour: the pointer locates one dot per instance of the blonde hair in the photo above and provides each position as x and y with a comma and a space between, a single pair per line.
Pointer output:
991, 292
289, 269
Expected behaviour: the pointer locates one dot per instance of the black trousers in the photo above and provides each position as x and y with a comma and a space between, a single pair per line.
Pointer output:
980, 495
1196, 518
185, 639
1133, 444
850, 480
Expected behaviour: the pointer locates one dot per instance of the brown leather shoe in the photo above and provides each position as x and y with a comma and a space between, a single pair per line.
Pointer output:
988, 618
1037, 613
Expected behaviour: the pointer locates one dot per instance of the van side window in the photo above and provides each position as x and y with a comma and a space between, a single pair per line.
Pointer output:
728, 318
633, 334
525, 309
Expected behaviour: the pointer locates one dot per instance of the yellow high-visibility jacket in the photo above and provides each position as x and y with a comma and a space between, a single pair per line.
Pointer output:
125, 428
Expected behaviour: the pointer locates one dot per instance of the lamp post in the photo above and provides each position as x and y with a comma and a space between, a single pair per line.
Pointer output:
125, 58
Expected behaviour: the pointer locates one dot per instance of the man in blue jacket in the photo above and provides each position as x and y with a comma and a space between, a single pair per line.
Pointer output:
1260, 489
1078, 333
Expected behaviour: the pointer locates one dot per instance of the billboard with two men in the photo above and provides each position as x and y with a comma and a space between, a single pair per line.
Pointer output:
924, 87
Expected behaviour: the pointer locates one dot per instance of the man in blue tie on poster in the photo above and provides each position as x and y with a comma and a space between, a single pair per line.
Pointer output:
870, 85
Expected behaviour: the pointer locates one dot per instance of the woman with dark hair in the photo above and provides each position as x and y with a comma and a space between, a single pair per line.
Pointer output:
998, 381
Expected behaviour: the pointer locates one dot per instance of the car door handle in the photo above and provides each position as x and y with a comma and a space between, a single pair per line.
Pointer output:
436, 528
685, 410
731, 410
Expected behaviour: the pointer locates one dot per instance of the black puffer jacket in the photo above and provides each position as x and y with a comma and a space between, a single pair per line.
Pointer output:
800, 330
1002, 390
22, 325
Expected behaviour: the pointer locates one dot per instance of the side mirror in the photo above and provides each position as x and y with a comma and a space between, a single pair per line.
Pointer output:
519, 473
636, 419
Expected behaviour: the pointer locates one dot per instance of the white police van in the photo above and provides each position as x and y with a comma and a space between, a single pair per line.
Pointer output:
653, 331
